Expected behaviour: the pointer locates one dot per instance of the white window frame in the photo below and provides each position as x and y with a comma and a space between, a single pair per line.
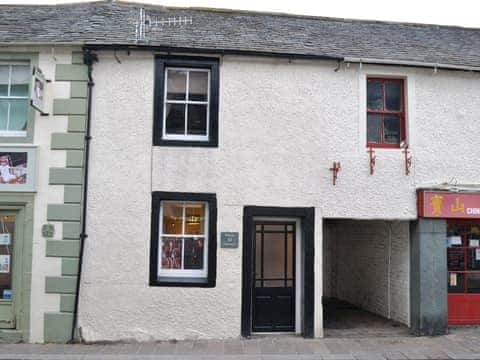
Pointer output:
182, 272
14, 133
186, 102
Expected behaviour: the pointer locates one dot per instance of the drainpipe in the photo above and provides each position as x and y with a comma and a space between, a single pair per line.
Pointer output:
89, 59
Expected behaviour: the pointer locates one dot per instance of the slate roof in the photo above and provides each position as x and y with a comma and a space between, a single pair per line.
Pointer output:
239, 31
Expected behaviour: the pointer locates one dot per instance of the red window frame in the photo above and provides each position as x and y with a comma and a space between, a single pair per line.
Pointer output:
383, 111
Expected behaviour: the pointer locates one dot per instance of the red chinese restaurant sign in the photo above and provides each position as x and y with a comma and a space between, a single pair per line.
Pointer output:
443, 204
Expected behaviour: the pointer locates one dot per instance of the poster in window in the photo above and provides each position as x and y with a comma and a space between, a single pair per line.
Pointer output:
17, 168
453, 279
37, 96
194, 248
4, 264
5, 239
454, 240
171, 253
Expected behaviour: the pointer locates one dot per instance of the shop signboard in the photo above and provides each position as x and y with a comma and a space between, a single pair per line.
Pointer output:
449, 205
37, 95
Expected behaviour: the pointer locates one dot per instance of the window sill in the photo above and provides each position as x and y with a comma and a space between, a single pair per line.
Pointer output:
185, 143
384, 146
182, 282
13, 134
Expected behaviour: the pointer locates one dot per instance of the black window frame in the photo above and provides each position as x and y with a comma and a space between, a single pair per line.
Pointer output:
210, 280
161, 63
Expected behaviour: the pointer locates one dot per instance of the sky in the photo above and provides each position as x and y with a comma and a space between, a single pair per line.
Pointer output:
444, 12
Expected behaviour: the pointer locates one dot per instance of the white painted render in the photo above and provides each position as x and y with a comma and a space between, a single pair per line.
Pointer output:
281, 125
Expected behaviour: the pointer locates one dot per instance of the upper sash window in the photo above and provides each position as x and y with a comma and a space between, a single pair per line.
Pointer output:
385, 112
186, 97
14, 99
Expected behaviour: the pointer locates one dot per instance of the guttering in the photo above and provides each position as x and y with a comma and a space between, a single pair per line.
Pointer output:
89, 59
170, 49
418, 64
345, 59
39, 43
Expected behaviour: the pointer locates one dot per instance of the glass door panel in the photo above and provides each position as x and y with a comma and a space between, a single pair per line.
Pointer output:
7, 243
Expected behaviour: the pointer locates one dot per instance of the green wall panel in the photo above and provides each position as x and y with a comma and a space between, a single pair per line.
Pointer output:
63, 212
63, 248
69, 106
77, 58
78, 89
74, 72
61, 284
71, 230
77, 123
67, 141
58, 327
67, 303
74, 158
69, 266
72, 194
69, 176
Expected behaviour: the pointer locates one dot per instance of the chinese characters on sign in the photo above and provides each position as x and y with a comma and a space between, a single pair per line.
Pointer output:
438, 204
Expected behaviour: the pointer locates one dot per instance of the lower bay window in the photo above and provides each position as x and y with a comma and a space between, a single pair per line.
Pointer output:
183, 243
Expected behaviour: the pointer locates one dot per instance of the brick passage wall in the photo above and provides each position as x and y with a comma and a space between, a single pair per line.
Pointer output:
367, 264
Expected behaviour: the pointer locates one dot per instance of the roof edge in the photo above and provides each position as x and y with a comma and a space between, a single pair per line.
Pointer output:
285, 14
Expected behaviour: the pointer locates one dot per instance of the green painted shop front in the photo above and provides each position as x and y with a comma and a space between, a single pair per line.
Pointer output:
16, 230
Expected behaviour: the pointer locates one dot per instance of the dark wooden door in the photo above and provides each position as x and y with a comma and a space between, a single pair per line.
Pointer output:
274, 286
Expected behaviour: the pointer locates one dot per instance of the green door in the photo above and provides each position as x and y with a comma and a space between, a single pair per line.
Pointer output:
9, 272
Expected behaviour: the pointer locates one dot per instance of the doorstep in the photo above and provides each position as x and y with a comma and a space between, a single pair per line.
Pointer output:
10, 336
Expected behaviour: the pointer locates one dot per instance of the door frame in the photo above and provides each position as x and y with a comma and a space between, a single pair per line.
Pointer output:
306, 215
23, 204
15, 266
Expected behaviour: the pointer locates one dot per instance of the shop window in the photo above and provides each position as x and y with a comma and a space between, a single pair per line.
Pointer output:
186, 102
14, 99
183, 245
463, 255
385, 112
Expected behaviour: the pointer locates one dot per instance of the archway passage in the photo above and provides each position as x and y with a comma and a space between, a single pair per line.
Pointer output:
366, 278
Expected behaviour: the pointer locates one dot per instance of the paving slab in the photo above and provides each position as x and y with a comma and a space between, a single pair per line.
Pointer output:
459, 344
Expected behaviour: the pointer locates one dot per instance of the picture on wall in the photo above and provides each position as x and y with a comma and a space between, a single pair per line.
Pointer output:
17, 168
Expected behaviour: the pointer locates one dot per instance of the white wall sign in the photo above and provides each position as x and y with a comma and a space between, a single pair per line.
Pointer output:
17, 168
5, 239
37, 96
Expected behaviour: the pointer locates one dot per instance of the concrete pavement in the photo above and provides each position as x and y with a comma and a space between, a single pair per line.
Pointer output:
461, 343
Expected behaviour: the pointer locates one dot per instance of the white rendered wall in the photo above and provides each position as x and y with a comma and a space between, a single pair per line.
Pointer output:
281, 124
367, 264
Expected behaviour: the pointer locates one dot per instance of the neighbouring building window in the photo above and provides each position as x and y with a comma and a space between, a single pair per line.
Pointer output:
14, 99
186, 102
385, 112
183, 239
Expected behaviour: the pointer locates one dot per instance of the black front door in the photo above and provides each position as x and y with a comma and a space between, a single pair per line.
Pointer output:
274, 270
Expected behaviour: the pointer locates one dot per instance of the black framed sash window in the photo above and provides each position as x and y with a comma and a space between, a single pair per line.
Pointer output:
183, 244
186, 101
